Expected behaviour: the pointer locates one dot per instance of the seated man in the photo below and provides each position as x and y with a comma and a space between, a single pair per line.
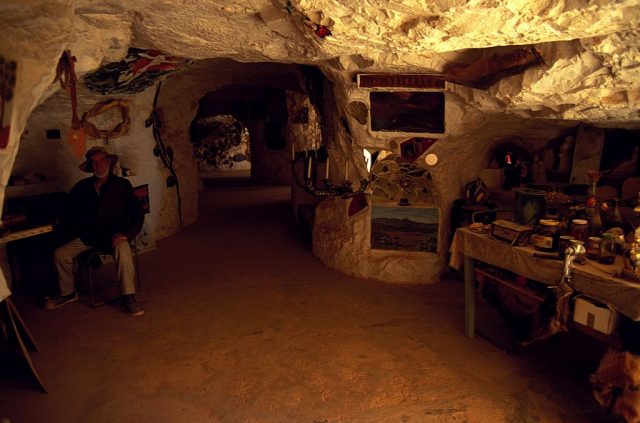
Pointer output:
100, 211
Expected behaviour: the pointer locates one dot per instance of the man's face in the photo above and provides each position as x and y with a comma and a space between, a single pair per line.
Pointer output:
100, 165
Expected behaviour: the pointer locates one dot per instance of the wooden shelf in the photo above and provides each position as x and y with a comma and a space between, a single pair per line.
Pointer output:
43, 187
512, 285
613, 339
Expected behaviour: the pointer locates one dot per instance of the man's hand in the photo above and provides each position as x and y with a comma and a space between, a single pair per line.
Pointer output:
116, 238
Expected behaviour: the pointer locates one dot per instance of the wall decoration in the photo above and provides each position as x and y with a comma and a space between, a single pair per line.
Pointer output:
484, 73
66, 75
357, 204
104, 107
7, 85
413, 148
587, 154
390, 80
322, 31
404, 228
359, 111
142, 194
394, 179
404, 111
220, 143
163, 151
137, 71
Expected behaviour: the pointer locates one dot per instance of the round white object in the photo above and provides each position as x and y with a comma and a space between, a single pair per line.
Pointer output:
431, 159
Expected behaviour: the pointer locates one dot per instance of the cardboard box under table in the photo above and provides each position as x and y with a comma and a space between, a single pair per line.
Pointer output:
595, 315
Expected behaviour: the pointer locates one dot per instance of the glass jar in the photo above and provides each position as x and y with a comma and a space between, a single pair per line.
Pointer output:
546, 236
607, 249
579, 229
564, 243
593, 247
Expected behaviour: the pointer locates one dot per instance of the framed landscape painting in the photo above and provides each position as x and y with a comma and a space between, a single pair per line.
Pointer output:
404, 228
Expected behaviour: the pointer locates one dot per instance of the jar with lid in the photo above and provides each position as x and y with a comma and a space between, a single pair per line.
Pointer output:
593, 246
546, 236
579, 229
607, 249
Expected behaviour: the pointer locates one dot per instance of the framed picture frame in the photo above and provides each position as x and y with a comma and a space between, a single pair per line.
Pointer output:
142, 192
405, 228
412, 112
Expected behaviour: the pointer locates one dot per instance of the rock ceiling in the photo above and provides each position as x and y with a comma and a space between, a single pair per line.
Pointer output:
591, 48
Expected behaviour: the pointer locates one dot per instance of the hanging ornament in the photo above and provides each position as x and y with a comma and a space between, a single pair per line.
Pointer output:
322, 31
120, 129
66, 75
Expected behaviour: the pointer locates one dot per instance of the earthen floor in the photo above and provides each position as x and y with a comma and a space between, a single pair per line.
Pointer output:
243, 324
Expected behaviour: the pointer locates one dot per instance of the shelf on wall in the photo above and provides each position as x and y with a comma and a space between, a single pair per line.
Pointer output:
50, 185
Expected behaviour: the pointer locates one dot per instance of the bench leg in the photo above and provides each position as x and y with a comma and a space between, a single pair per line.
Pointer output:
469, 297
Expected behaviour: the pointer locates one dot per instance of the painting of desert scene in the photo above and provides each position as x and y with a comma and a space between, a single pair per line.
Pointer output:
404, 228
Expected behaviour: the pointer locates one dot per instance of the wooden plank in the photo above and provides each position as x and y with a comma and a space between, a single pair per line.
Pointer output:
613, 339
22, 326
15, 331
521, 289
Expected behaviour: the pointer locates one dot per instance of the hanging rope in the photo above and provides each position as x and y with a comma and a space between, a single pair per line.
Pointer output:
160, 150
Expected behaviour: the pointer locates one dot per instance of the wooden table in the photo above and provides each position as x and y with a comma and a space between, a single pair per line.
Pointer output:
592, 279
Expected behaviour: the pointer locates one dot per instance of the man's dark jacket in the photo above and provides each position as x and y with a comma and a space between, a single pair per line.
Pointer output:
96, 216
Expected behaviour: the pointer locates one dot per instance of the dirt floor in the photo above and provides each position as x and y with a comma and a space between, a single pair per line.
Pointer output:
243, 324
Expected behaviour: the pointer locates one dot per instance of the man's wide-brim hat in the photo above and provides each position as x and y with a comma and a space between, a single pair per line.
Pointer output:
86, 165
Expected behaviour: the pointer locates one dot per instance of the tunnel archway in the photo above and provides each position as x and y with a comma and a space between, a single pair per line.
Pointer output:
237, 126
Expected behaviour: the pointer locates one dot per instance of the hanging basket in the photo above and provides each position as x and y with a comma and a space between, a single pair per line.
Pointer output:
122, 128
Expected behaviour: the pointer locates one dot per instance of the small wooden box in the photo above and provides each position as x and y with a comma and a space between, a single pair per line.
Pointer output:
511, 233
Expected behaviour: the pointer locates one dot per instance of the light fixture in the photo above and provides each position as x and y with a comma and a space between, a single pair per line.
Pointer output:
310, 162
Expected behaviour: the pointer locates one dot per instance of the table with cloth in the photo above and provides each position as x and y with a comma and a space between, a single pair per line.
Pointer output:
592, 279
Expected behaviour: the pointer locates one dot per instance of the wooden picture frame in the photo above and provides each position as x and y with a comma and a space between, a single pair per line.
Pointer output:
405, 228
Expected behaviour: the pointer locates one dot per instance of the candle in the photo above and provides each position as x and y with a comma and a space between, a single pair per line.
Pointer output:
309, 168
326, 169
